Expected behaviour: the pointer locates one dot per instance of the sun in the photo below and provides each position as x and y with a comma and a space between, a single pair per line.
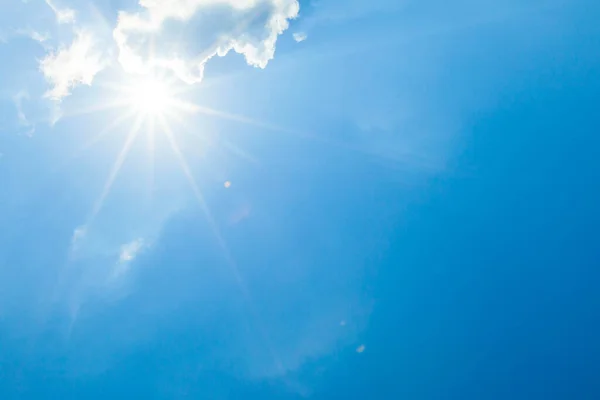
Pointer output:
149, 96
156, 108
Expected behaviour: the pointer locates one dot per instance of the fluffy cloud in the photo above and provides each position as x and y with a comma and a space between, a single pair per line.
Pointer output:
151, 38
69, 66
178, 36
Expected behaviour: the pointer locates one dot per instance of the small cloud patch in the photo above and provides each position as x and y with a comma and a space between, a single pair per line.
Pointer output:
63, 15
130, 250
78, 235
34, 35
300, 36
127, 255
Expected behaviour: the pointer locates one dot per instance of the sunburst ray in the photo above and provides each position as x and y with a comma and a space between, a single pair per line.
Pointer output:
115, 169
230, 261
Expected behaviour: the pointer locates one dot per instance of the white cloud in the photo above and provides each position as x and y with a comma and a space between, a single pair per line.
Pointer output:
39, 37
300, 36
34, 35
68, 67
63, 15
249, 27
129, 252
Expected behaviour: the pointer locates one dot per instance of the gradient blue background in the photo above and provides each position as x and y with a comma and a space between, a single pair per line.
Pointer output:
444, 206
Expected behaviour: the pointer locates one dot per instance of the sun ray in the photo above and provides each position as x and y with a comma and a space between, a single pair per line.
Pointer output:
211, 112
203, 206
228, 146
175, 116
151, 143
193, 108
202, 203
230, 261
243, 154
408, 158
303, 135
115, 169
190, 178
180, 120
91, 142
104, 106
196, 108
100, 135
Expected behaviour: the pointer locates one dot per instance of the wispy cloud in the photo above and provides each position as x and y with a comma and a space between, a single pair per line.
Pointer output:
249, 27
78, 234
33, 35
129, 252
64, 15
22, 118
300, 36
69, 66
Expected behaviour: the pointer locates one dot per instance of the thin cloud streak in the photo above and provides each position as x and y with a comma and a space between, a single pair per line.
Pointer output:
115, 169
63, 15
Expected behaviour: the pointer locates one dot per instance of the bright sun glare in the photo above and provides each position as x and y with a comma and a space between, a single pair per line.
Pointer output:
152, 106
149, 96
147, 106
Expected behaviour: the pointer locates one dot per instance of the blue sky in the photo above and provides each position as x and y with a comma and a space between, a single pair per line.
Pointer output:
275, 199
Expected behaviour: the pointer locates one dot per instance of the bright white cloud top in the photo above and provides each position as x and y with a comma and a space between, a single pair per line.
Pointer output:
176, 37
146, 39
